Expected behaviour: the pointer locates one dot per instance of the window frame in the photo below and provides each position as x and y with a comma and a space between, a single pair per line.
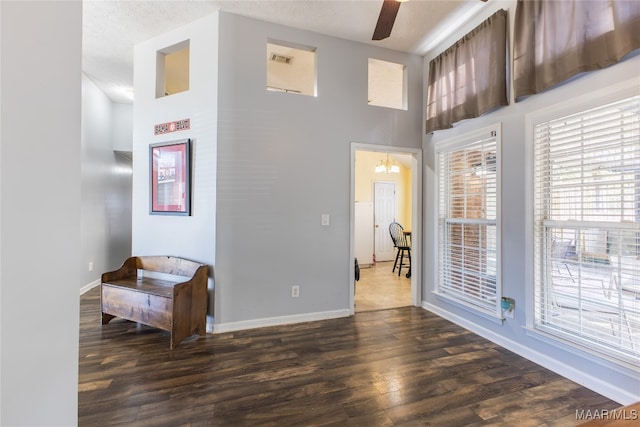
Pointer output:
467, 139
575, 105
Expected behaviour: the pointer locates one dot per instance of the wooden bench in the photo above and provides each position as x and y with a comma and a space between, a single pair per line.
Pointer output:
170, 304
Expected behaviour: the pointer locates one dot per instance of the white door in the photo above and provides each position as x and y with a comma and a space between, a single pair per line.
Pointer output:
384, 200
363, 233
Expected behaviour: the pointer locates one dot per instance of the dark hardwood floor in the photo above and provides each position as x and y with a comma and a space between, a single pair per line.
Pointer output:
394, 367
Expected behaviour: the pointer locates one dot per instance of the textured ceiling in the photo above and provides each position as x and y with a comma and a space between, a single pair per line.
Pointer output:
112, 28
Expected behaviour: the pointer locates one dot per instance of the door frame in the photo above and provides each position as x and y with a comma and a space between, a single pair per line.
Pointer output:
416, 217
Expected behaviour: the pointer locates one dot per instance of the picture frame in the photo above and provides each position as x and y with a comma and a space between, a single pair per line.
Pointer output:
170, 178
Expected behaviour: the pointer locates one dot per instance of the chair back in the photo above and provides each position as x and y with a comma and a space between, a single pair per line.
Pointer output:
560, 248
398, 236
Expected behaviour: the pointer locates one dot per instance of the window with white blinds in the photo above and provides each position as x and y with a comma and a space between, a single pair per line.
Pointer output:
468, 205
587, 228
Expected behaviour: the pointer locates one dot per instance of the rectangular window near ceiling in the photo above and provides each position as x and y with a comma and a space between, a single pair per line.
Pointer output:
172, 69
468, 222
387, 84
587, 228
291, 68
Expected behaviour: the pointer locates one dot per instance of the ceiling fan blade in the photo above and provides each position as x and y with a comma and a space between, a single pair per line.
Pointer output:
386, 19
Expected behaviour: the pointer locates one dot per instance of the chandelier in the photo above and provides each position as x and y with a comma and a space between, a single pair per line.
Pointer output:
387, 166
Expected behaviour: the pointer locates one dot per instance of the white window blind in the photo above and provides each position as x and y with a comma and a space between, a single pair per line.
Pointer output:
587, 228
467, 224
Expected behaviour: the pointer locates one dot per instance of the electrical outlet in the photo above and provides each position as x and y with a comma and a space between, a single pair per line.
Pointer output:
90, 265
508, 313
295, 291
508, 306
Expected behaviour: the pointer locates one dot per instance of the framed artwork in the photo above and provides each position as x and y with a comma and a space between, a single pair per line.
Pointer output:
170, 186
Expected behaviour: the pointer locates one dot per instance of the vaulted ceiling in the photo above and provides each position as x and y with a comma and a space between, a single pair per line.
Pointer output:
111, 28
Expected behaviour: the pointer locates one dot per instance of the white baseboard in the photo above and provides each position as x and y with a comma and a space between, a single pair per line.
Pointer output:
86, 288
624, 397
217, 328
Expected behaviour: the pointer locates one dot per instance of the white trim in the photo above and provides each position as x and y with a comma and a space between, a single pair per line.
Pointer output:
630, 226
209, 324
575, 347
624, 397
529, 291
217, 328
587, 101
416, 217
499, 320
464, 139
416, 225
86, 288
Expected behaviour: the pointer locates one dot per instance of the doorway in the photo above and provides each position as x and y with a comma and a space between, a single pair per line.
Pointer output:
377, 199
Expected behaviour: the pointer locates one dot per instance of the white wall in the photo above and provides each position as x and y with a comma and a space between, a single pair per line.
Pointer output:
122, 127
283, 161
40, 211
194, 236
617, 383
106, 185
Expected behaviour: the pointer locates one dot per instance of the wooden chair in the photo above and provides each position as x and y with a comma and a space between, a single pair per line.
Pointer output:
402, 245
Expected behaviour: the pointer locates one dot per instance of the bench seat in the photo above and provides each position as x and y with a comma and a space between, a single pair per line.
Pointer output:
178, 306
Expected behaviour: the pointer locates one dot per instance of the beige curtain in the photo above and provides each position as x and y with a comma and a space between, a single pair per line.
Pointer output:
557, 39
469, 78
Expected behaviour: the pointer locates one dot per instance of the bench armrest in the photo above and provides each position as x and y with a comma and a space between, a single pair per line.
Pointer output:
201, 275
128, 269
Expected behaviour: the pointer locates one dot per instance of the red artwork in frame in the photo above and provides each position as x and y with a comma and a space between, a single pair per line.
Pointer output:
170, 167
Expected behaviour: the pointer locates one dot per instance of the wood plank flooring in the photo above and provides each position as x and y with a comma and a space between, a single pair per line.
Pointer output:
394, 367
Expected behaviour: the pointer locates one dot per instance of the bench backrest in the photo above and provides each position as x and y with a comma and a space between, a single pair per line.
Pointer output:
168, 264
